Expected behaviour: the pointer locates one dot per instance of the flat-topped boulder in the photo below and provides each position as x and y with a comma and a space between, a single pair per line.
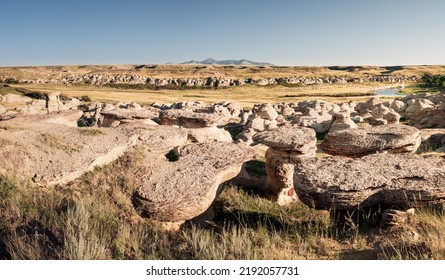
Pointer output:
49, 153
183, 189
289, 138
191, 119
369, 140
395, 180
114, 117
287, 144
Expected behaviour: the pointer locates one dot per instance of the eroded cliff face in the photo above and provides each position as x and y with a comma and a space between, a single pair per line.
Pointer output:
124, 79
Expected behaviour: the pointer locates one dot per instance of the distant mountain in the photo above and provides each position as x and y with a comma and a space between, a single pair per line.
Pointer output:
228, 62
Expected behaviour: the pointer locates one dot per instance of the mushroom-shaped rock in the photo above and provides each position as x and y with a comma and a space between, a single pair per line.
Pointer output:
397, 180
190, 119
185, 188
365, 141
286, 145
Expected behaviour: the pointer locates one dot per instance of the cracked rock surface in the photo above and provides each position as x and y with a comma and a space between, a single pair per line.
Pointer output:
398, 180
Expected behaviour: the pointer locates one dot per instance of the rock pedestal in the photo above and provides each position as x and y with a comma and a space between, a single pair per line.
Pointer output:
287, 145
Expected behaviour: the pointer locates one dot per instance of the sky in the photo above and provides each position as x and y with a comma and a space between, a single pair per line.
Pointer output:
282, 32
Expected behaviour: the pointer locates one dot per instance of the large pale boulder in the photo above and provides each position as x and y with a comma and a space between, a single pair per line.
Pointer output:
433, 117
394, 180
208, 134
417, 106
14, 98
40, 149
190, 119
183, 189
365, 141
267, 112
115, 117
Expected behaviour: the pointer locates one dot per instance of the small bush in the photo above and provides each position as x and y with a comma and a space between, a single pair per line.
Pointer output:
85, 98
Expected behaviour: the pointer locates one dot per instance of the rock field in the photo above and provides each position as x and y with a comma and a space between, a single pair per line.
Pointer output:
327, 155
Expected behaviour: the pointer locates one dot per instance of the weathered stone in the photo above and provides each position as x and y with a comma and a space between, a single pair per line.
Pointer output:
369, 105
68, 118
392, 117
429, 118
289, 138
398, 105
256, 123
112, 118
208, 134
235, 109
267, 112
417, 106
395, 180
190, 119
2, 109
53, 102
246, 136
395, 218
379, 111
185, 188
377, 121
14, 98
36, 148
365, 141
342, 121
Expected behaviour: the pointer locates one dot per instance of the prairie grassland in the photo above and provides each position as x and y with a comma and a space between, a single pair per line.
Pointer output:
93, 218
245, 95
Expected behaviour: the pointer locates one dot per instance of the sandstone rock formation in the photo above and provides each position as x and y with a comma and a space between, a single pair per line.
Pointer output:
398, 180
287, 145
190, 119
432, 117
40, 149
185, 188
115, 117
365, 141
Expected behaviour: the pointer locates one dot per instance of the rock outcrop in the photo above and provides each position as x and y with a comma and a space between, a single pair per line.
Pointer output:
190, 119
187, 187
115, 117
40, 149
397, 180
365, 141
432, 117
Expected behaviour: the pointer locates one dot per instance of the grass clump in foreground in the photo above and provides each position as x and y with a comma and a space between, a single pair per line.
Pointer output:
93, 218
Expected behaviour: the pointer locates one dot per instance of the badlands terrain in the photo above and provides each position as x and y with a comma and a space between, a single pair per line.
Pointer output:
222, 162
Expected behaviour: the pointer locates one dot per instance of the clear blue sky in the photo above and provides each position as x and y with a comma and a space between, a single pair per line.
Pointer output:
282, 32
